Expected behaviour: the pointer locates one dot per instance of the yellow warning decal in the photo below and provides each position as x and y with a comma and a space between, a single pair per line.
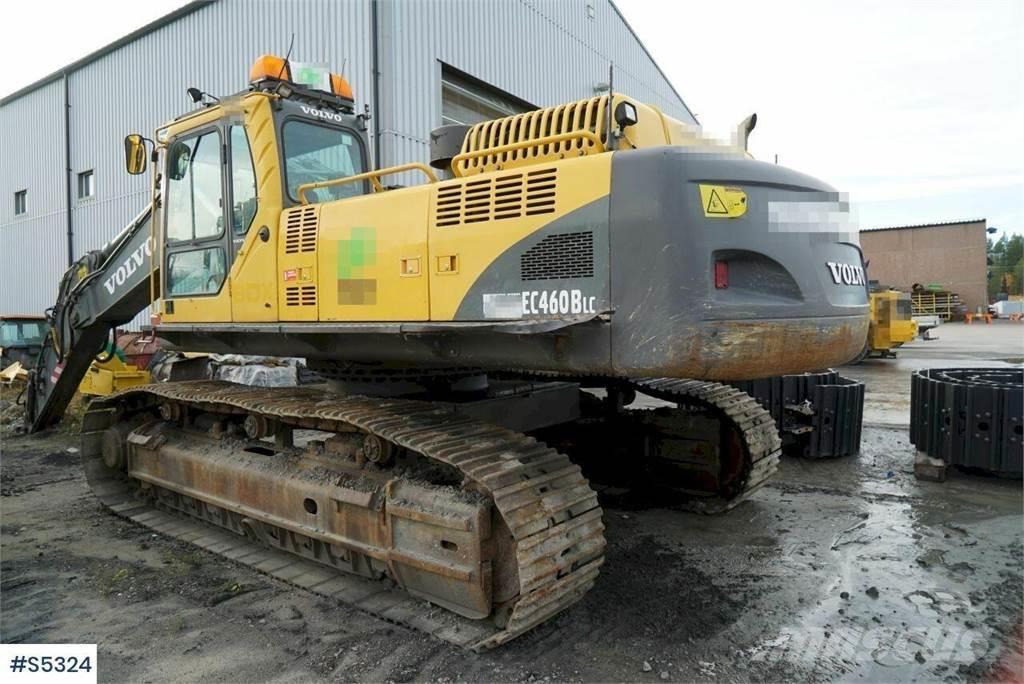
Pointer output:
722, 201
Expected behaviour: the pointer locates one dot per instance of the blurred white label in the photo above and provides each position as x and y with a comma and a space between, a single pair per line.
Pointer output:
503, 305
811, 217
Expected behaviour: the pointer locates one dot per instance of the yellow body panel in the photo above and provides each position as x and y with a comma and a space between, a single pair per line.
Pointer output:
192, 120
110, 376
389, 256
372, 256
460, 251
206, 309
254, 291
295, 277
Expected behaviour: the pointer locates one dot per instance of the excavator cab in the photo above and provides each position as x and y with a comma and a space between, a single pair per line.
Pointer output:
227, 172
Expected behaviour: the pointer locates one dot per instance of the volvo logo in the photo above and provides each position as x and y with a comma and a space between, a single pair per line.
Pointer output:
846, 274
135, 261
322, 113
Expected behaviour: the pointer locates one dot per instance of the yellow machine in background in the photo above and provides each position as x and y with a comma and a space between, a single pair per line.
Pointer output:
892, 324
107, 377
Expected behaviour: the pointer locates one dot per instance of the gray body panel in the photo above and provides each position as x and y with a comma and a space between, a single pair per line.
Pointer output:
506, 273
669, 317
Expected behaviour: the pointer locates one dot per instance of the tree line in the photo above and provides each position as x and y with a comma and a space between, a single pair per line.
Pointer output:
1005, 266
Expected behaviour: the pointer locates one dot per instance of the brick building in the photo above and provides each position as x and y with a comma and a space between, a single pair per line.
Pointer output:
952, 255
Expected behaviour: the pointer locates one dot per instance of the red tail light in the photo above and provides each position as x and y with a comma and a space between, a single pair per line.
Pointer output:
721, 275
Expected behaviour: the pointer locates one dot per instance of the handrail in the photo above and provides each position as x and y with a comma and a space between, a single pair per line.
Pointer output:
533, 142
372, 176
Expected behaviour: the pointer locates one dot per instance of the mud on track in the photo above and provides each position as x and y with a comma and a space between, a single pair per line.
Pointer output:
776, 589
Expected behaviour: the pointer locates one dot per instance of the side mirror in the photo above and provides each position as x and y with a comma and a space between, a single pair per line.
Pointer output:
135, 154
625, 114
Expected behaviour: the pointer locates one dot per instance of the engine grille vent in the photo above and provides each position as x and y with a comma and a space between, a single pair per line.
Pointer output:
565, 255
300, 295
300, 231
585, 116
509, 196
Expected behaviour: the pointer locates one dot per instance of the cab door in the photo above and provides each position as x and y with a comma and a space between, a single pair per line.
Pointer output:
197, 246
255, 207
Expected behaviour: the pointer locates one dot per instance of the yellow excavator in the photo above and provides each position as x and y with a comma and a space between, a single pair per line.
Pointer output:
595, 245
892, 323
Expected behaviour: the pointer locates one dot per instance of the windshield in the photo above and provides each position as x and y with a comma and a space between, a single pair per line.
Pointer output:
315, 153
18, 332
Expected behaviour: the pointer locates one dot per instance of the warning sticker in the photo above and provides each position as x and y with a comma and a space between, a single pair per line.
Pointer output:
722, 201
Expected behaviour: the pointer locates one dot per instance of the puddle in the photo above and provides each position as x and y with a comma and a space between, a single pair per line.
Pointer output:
884, 614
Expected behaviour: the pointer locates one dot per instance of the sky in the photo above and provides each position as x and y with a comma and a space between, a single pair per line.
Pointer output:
914, 109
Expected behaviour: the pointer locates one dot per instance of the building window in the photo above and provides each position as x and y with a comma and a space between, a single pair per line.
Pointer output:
86, 185
465, 100
20, 206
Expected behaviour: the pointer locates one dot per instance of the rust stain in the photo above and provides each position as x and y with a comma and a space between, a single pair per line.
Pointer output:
748, 350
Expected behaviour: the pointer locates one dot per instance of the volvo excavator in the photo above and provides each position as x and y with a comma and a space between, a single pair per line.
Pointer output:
598, 245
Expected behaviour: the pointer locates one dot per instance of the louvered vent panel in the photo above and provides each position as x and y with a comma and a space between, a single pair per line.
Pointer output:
449, 206
300, 231
300, 295
565, 255
494, 199
540, 192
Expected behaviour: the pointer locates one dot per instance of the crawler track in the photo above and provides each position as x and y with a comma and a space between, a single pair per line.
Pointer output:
755, 443
970, 417
548, 506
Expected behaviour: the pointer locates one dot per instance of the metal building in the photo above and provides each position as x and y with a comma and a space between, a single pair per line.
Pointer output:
415, 63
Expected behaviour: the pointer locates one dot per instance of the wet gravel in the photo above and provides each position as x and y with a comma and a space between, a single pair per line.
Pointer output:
848, 569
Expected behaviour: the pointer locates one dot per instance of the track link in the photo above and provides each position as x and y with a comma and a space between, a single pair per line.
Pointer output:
756, 429
547, 504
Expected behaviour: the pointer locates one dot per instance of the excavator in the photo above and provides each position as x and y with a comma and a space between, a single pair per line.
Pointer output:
892, 323
548, 272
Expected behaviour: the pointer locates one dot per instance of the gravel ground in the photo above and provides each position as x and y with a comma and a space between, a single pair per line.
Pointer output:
848, 569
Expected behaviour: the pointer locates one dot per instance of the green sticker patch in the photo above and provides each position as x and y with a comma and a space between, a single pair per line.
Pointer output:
354, 256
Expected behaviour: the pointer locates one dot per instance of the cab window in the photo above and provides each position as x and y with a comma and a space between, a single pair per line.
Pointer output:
314, 153
196, 272
243, 182
20, 332
194, 192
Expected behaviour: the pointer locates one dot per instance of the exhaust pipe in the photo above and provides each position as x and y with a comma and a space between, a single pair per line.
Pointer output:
744, 129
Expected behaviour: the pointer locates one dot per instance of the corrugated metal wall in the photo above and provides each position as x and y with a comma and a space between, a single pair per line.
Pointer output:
33, 246
543, 51
142, 85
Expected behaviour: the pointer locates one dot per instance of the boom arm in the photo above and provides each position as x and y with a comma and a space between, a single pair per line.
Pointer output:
105, 288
